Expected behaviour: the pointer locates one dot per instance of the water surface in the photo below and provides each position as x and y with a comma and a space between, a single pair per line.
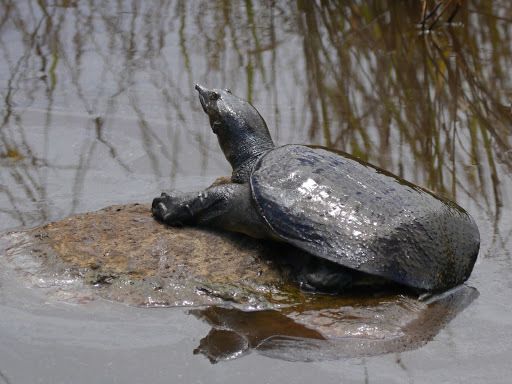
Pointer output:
98, 107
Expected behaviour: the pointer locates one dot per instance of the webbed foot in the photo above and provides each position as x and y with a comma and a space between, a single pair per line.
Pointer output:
170, 209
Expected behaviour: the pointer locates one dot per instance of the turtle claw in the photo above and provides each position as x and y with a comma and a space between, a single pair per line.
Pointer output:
162, 211
160, 206
169, 209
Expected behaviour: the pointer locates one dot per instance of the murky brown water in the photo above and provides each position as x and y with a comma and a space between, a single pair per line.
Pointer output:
98, 106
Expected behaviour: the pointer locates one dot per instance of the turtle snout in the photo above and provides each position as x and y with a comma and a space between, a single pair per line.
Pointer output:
203, 97
202, 90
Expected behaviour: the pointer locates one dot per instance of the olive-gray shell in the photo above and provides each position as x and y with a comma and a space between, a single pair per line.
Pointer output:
357, 215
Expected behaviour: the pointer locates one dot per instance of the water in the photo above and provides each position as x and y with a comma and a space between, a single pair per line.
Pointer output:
98, 107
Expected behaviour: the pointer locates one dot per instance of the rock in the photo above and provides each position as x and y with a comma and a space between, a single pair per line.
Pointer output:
121, 253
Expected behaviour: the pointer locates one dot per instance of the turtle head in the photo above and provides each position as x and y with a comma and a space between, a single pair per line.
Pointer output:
242, 133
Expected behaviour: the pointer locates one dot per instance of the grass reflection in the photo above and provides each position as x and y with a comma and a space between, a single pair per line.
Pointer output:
379, 80
418, 87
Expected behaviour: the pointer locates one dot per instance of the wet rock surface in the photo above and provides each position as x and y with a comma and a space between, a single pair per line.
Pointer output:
121, 253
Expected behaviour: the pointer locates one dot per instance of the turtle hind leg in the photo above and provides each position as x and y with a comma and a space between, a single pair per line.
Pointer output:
325, 277
312, 273
322, 278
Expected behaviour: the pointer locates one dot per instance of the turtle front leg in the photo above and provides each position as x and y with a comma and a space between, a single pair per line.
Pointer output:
226, 206
179, 208
192, 208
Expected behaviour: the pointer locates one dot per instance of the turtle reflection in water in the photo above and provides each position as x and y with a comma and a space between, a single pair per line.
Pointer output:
329, 204
332, 327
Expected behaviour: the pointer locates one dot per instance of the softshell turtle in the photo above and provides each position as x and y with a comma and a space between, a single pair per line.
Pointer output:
329, 204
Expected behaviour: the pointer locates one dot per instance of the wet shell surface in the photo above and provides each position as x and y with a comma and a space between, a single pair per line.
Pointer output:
337, 207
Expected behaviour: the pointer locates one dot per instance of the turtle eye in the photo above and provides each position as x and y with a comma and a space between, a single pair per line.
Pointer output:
216, 127
214, 95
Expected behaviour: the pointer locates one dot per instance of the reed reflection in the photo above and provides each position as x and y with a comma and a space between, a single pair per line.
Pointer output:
419, 88
380, 81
